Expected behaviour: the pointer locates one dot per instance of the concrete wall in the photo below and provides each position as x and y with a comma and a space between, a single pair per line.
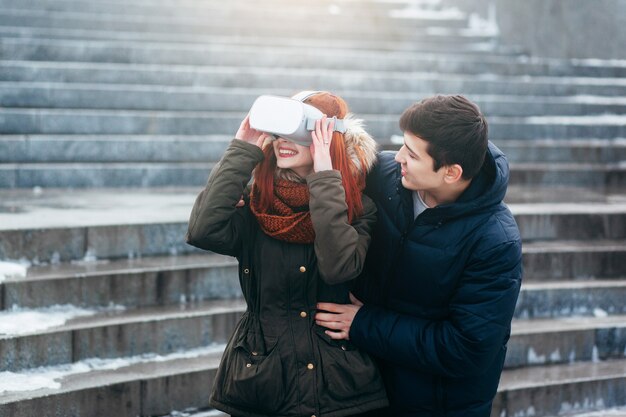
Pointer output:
557, 28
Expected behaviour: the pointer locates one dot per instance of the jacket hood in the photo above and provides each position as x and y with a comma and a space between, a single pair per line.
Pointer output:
486, 190
360, 146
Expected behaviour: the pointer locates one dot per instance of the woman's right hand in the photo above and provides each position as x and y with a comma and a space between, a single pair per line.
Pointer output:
250, 135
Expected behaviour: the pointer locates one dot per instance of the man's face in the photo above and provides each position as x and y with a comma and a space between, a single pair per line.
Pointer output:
417, 165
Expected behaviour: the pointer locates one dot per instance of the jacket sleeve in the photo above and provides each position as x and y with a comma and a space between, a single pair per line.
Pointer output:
467, 341
215, 223
340, 247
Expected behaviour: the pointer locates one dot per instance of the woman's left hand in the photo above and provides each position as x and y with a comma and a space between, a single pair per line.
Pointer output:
320, 148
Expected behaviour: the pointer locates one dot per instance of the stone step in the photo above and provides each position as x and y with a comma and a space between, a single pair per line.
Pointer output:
166, 174
197, 413
518, 194
122, 223
131, 283
115, 16
365, 9
554, 390
382, 127
326, 25
171, 280
157, 387
583, 150
85, 175
612, 175
611, 412
119, 223
237, 4
210, 148
118, 387
155, 53
571, 298
539, 342
112, 148
179, 98
463, 41
114, 334
562, 259
163, 329
243, 82
575, 221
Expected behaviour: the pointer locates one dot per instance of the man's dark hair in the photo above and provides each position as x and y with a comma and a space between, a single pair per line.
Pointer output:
455, 129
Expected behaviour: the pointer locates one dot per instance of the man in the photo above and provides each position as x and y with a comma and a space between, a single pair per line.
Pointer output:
444, 267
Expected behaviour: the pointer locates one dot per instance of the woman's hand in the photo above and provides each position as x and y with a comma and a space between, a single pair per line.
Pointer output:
250, 135
320, 148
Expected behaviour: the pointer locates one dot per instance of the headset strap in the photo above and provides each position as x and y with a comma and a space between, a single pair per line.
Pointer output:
340, 126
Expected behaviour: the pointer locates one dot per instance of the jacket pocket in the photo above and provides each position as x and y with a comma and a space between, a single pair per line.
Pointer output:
255, 374
254, 377
347, 371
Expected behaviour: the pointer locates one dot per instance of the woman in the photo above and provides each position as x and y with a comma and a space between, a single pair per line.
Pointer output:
300, 238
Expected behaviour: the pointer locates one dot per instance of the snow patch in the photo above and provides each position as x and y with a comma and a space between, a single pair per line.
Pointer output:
533, 358
10, 381
18, 321
334, 9
605, 119
55, 259
51, 377
595, 355
417, 11
12, 270
572, 356
598, 312
555, 356
594, 62
488, 26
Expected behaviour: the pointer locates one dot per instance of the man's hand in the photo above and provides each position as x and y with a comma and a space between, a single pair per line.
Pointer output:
338, 317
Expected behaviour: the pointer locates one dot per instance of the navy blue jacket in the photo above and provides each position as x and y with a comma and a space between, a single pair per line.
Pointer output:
440, 292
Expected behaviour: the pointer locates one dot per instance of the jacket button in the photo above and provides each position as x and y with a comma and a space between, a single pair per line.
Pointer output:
302, 269
246, 271
310, 366
303, 314
254, 353
343, 347
248, 365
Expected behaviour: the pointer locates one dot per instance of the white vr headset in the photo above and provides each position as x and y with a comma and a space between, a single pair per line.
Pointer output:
289, 118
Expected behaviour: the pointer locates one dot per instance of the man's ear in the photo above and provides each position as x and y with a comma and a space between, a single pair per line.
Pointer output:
453, 173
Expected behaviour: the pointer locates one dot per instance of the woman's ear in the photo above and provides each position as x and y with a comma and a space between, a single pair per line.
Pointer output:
453, 173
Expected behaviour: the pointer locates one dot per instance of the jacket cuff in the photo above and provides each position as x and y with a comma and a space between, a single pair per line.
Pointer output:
331, 173
359, 326
251, 149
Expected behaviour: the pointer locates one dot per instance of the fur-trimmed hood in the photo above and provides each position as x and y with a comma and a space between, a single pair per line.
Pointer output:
355, 138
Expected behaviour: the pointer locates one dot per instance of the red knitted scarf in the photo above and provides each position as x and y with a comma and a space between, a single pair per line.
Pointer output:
288, 218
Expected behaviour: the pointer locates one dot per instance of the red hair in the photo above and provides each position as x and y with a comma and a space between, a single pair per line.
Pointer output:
352, 178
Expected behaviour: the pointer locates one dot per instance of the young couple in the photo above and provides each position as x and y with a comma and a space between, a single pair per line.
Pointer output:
376, 284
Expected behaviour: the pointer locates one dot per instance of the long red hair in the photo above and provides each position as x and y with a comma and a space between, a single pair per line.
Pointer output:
352, 178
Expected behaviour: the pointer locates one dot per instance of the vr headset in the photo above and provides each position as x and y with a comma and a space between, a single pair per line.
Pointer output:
289, 118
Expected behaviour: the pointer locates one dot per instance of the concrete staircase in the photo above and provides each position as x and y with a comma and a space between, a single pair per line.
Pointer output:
112, 114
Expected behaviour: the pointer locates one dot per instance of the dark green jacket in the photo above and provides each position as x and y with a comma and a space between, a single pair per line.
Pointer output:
278, 361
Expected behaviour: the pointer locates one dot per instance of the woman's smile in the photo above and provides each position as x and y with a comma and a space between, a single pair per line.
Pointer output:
284, 152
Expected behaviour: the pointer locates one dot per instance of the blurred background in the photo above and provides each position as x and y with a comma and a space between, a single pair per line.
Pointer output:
113, 112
